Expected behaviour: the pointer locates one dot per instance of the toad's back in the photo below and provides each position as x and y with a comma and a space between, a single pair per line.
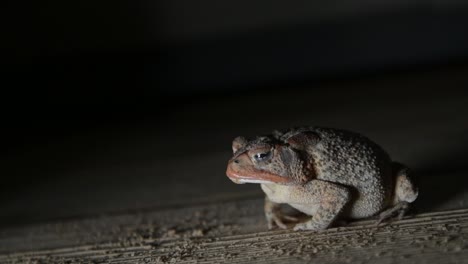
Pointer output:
353, 160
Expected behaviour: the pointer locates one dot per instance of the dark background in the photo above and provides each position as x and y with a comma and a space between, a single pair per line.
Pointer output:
112, 106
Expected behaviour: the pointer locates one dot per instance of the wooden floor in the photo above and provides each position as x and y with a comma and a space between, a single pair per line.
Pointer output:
234, 232
136, 193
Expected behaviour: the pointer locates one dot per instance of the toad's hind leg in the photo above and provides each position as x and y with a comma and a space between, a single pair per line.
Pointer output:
404, 193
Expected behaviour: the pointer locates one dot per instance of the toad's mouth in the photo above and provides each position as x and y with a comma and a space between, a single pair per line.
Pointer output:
253, 176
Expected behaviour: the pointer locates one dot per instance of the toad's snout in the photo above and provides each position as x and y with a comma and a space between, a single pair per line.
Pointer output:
238, 167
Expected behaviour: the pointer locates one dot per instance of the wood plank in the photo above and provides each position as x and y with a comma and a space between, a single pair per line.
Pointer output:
235, 232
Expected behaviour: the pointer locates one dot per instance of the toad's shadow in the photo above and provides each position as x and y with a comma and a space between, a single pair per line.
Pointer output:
441, 181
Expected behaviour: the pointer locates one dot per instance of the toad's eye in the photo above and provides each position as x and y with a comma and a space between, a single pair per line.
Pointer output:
262, 156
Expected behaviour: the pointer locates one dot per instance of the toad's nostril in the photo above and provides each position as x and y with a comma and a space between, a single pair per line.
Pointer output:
236, 161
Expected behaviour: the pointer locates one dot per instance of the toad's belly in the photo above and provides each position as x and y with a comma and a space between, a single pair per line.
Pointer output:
309, 209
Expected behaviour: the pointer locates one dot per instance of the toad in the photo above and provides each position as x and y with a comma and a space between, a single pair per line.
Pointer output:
329, 174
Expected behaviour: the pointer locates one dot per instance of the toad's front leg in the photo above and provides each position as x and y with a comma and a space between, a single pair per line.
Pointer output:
329, 200
274, 216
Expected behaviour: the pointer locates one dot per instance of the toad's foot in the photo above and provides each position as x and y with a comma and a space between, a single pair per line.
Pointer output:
400, 208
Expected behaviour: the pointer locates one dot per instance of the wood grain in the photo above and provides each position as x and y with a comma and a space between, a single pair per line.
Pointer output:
235, 232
